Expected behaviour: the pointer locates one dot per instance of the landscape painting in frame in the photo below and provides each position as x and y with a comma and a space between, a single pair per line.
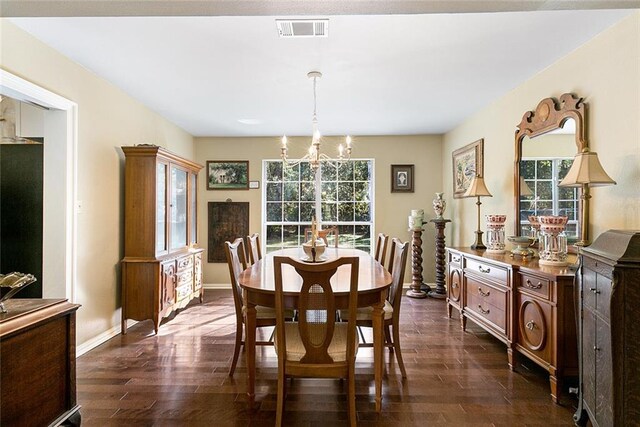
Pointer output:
467, 162
227, 175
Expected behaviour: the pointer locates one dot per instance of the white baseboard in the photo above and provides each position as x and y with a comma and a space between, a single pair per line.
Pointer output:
101, 339
216, 285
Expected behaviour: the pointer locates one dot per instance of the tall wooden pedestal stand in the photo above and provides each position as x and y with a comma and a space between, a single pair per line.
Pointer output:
439, 291
416, 265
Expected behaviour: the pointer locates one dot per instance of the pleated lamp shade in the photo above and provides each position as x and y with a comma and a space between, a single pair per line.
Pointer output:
586, 169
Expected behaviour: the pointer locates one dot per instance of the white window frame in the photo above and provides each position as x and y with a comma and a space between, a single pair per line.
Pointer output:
555, 200
318, 203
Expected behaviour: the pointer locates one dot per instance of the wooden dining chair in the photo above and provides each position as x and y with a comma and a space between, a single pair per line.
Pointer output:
265, 316
325, 234
397, 267
253, 248
316, 346
381, 248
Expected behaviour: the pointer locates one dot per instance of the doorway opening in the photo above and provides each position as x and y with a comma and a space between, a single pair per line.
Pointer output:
59, 165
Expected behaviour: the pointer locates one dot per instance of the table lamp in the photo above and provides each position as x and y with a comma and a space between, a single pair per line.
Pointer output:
478, 189
586, 171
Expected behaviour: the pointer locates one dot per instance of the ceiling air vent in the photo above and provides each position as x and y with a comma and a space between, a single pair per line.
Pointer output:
303, 27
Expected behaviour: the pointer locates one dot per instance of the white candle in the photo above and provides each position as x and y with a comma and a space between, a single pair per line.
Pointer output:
284, 142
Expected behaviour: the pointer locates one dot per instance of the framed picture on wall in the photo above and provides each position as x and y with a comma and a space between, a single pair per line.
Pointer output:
402, 178
467, 163
227, 175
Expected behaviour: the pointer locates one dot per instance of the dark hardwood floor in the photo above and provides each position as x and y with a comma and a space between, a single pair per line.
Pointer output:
180, 378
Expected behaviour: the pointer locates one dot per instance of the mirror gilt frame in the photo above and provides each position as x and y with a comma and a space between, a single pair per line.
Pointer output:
549, 115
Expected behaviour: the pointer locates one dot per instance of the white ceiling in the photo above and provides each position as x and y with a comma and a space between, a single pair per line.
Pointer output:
382, 74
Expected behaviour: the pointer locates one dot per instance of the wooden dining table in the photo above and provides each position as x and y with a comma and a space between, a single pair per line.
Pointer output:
258, 288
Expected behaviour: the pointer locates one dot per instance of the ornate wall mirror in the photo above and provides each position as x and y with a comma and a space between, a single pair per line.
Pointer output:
547, 140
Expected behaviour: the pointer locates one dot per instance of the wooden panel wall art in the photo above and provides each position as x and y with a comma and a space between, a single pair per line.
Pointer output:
227, 221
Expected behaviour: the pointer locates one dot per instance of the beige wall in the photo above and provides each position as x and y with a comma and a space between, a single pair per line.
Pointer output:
606, 72
391, 209
107, 119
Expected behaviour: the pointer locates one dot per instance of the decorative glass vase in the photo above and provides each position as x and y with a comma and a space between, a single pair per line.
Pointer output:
439, 205
495, 233
553, 241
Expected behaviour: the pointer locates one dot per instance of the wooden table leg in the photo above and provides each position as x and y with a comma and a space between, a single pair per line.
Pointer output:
250, 348
377, 318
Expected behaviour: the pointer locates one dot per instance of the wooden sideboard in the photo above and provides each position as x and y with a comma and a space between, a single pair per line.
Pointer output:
531, 308
162, 267
38, 363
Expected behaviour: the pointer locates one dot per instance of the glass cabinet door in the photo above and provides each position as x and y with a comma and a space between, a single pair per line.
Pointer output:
161, 207
178, 210
193, 216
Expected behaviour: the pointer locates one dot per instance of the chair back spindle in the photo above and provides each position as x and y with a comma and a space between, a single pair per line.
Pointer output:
237, 263
381, 248
253, 248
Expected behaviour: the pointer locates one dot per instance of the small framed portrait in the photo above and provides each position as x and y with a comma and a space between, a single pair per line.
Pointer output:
227, 175
402, 178
467, 163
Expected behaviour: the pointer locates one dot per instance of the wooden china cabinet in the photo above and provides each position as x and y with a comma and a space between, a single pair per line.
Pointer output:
162, 267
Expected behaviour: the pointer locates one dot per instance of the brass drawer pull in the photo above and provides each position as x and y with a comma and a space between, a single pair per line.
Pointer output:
596, 348
594, 290
532, 286
455, 259
482, 310
530, 325
484, 270
454, 285
484, 294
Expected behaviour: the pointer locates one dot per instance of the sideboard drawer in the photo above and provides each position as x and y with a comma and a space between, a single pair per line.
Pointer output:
455, 259
487, 294
484, 310
183, 292
533, 284
185, 263
184, 279
490, 271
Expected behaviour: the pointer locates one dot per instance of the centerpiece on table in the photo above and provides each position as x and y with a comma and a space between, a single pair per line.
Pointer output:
315, 247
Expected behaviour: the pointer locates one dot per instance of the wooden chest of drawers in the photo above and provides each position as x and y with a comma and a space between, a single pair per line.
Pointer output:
609, 332
528, 307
